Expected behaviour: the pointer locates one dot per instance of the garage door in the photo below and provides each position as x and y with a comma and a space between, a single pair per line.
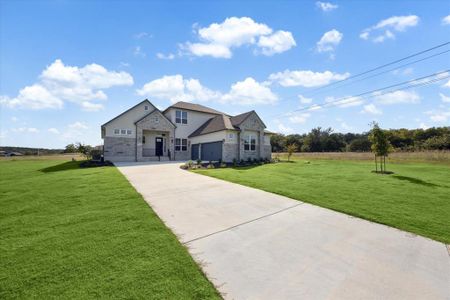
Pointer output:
211, 151
194, 151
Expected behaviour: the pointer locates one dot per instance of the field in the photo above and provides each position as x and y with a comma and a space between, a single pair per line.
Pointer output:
73, 233
416, 198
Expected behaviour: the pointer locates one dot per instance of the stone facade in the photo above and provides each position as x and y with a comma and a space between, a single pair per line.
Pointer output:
230, 152
155, 121
254, 125
267, 152
119, 148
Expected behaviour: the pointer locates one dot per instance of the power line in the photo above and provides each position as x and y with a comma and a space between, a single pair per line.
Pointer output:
383, 66
380, 73
413, 83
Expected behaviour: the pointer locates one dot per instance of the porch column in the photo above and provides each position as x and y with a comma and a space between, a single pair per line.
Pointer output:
139, 134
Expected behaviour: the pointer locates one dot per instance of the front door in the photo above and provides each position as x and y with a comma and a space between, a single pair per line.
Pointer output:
158, 146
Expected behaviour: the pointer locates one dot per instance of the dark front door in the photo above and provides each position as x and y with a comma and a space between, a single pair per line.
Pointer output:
158, 146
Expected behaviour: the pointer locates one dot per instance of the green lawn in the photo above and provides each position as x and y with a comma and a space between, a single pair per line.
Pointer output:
416, 198
76, 233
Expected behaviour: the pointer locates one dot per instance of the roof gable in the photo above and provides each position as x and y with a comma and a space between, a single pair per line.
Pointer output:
128, 110
218, 123
239, 119
156, 110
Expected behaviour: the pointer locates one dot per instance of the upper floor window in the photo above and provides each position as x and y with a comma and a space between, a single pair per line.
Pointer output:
250, 142
146, 107
181, 117
123, 131
116, 131
128, 131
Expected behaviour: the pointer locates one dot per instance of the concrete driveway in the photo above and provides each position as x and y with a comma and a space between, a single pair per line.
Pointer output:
257, 245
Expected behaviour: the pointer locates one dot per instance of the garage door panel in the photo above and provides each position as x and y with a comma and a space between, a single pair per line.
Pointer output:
211, 151
194, 151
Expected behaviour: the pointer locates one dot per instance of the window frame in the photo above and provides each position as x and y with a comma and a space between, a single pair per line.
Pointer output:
116, 131
181, 144
129, 132
182, 118
250, 143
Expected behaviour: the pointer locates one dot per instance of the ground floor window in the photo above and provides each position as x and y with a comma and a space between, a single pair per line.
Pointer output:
180, 144
250, 142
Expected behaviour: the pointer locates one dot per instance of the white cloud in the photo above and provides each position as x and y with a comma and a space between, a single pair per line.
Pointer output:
249, 92
345, 126
78, 125
175, 88
89, 106
25, 130
423, 126
326, 6
329, 41
304, 100
59, 83
346, 101
53, 130
218, 39
141, 35
278, 42
169, 56
299, 118
137, 51
314, 107
306, 78
446, 20
283, 129
371, 109
398, 97
447, 85
439, 116
384, 29
444, 98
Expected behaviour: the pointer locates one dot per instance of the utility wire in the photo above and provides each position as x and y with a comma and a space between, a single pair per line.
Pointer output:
379, 73
383, 66
413, 83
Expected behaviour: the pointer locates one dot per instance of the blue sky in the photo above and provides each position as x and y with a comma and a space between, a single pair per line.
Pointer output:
66, 67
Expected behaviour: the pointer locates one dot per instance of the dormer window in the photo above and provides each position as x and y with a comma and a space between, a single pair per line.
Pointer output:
181, 117
146, 107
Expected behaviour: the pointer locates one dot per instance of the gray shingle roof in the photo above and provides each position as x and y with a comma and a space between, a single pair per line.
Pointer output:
194, 107
218, 123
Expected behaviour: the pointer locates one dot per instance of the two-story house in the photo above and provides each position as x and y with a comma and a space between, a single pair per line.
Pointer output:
184, 131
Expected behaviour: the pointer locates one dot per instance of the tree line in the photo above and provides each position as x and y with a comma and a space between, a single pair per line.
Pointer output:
326, 140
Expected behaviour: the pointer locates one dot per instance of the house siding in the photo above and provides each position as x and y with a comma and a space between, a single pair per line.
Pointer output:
119, 148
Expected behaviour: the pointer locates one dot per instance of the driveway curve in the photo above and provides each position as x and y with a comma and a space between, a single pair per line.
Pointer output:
256, 245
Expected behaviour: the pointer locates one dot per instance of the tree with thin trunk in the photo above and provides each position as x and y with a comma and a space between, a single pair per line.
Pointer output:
290, 150
380, 146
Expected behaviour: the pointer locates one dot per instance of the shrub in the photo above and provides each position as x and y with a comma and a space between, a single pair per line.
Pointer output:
199, 161
190, 164
223, 165
235, 162
210, 166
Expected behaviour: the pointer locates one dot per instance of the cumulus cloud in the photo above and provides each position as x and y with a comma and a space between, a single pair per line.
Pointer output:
439, 116
304, 100
346, 101
176, 88
283, 129
398, 97
137, 51
371, 109
329, 41
306, 78
25, 130
299, 118
446, 20
218, 39
53, 130
275, 43
444, 98
385, 28
249, 92
326, 6
59, 83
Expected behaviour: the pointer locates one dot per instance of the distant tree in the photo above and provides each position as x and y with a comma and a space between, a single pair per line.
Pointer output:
380, 146
85, 150
71, 148
294, 139
290, 150
278, 142
360, 145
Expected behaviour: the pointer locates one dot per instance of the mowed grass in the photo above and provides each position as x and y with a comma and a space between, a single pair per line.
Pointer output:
415, 199
72, 233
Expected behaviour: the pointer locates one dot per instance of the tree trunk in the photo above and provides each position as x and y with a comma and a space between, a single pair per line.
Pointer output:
376, 164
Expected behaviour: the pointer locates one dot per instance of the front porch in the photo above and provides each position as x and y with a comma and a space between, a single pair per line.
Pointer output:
154, 138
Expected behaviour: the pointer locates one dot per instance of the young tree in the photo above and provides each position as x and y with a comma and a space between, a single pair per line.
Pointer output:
70, 149
291, 149
84, 149
380, 146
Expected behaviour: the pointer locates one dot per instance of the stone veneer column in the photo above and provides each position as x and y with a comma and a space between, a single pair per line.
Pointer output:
139, 134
